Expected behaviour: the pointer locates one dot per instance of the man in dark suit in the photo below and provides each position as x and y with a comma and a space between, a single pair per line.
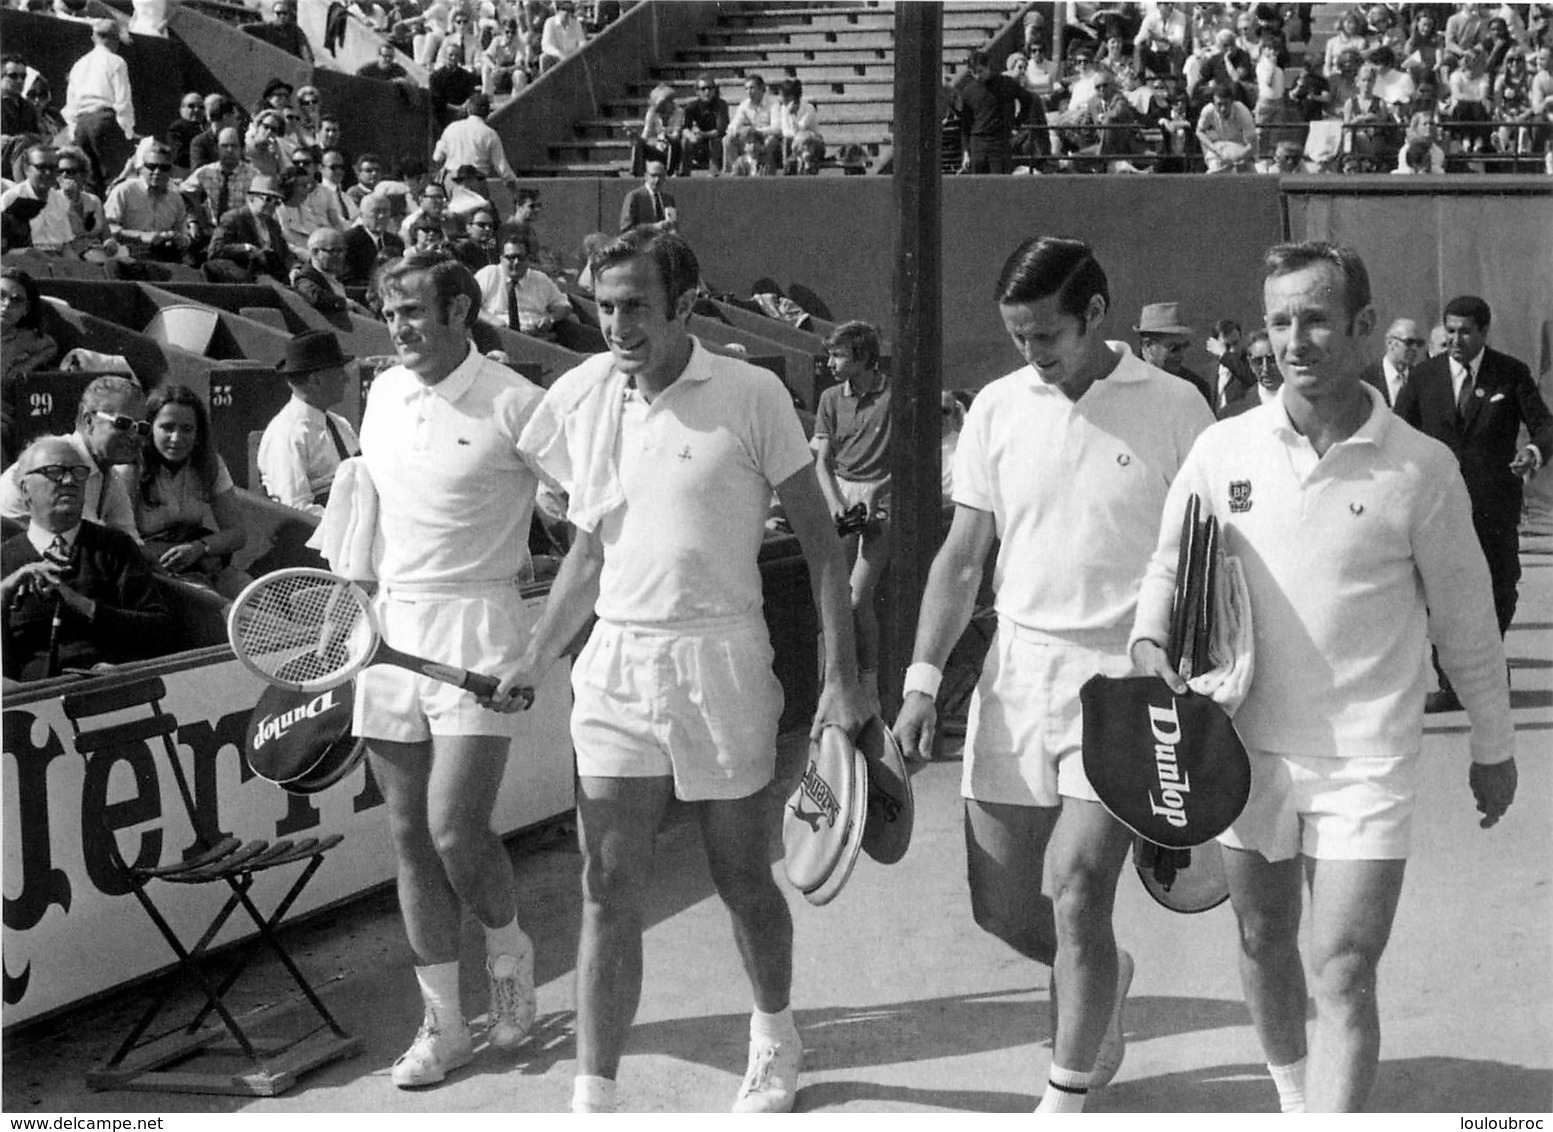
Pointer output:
249, 242
1474, 400
91, 578
370, 241
648, 204
1262, 363
1404, 349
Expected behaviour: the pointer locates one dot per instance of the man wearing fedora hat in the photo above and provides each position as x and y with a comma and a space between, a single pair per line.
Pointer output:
99, 106
1162, 340
249, 241
303, 445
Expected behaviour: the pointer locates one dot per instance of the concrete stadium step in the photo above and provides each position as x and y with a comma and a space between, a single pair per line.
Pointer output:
840, 40
869, 94
955, 19
815, 73
611, 141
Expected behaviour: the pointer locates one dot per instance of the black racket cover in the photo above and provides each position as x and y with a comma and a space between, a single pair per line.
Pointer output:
301, 738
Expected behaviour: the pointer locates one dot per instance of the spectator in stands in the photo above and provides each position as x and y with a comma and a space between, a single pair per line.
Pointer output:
334, 169
1465, 30
249, 242
754, 120
1288, 157
109, 426
480, 247
467, 191
706, 125
404, 188
1366, 142
1271, 104
1423, 125
73, 594
51, 123
282, 31
88, 220
1040, 74
186, 504
525, 226
1312, 94
1468, 102
370, 242
562, 36
803, 148
369, 171
453, 44
1512, 103
99, 105
1404, 350
24, 344
649, 204
1116, 57
426, 235
1350, 37
303, 445
1162, 41
1162, 341
1227, 133
1423, 51
49, 229
18, 117
1259, 356
221, 113
951, 422
308, 117
660, 137
1497, 45
309, 205
332, 136
1234, 375
990, 108
433, 207
317, 278
145, 215
385, 67
189, 124
278, 97
470, 141
265, 144
222, 185
501, 62
1393, 86
516, 295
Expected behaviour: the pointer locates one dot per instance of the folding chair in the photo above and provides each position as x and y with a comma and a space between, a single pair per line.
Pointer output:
268, 1065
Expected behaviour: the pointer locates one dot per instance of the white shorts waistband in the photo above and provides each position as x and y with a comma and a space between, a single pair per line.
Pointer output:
697, 627
442, 591
1080, 638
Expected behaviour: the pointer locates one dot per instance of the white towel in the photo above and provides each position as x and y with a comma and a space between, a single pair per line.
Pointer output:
573, 439
1231, 651
348, 535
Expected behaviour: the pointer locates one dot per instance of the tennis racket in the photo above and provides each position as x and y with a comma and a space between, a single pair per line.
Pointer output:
309, 630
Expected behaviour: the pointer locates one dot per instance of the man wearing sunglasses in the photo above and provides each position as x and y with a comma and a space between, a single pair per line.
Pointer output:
249, 241
109, 426
1404, 349
89, 577
50, 229
282, 31
706, 122
189, 124
146, 215
18, 116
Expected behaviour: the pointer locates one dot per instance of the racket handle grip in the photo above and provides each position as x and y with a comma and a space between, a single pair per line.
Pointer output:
485, 686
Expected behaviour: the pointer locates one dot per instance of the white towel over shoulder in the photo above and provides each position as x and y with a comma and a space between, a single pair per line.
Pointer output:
348, 536
573, 439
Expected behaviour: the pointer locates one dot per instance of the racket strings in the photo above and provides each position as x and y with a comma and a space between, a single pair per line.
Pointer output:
303, 629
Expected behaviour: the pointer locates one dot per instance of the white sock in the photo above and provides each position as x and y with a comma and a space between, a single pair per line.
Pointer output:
593, 1094
505, 940
778, 1027
1066, 1090
1290, 1080
439, 988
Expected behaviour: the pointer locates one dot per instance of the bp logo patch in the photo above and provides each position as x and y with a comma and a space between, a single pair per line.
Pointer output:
1239, 495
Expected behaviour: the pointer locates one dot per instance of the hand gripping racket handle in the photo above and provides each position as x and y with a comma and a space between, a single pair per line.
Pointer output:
483, 686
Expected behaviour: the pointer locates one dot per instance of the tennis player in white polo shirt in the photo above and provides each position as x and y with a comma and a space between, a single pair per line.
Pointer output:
669, 455
440, 437
1066, 461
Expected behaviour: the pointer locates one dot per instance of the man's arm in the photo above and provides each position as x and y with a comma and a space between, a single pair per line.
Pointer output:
841, 702
123, 100
824, 468
947, 604
283, 471
1537, 419
573, 596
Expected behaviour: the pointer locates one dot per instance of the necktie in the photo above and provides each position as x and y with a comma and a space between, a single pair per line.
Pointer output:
224, 197
512, 304
1464, 398
339, 441
344, 208
58, 552
657, 207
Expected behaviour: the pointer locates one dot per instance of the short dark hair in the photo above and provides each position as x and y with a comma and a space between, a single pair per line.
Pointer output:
1054, 265
792, 88
33, 319
527, 196
1285, 259
330, 117
669, 252
977, 59
1224, 325
478, 103
1223, 90
449, 278
860, 338
411, 167
218, 106
1469, 306
372, 157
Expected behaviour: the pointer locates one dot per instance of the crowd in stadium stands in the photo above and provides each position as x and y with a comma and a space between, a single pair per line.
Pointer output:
1163, 87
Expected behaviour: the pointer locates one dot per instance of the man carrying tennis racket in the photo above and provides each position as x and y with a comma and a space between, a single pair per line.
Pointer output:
1355, 533
1066, 461
669, 455
439, 437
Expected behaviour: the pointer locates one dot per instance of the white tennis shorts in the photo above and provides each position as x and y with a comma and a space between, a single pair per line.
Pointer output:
1025, 737
1341, 809
697, 702
482, 629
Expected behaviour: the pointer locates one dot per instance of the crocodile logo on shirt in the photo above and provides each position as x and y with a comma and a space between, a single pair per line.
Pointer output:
1239, 495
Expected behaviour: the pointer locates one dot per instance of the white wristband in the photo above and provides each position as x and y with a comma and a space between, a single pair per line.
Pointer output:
923, 677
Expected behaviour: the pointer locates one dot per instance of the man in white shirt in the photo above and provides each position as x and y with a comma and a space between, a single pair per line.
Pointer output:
110, 424
99, 106
514, 294
1075, 451
754, 119
469, 141
145, 214
797, 123
1354, 535
669, 525
562, 36
303, 444
50, 229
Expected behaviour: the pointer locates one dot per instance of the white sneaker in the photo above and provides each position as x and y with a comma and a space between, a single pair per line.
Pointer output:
436, 1052
771, 1081
513, 1002
1113, 1047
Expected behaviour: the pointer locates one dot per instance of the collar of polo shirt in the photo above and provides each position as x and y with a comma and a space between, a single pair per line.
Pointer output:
454, 385
1370, 432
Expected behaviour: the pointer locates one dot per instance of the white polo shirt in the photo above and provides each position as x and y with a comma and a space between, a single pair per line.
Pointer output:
454, 496
1349, 559
1076, 488
697, 467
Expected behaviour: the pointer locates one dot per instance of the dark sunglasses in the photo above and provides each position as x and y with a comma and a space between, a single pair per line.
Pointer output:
308, 101
335, 165
194, 106
124, 424
1260, 359
42, 165
62, 473
1408, 341
70, 171
481, 224
156, 167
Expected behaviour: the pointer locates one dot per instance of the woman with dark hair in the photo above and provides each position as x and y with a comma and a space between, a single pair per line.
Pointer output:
186, 506
24, 345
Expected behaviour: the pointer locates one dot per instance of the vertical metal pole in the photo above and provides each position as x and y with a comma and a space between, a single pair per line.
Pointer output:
915, 380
